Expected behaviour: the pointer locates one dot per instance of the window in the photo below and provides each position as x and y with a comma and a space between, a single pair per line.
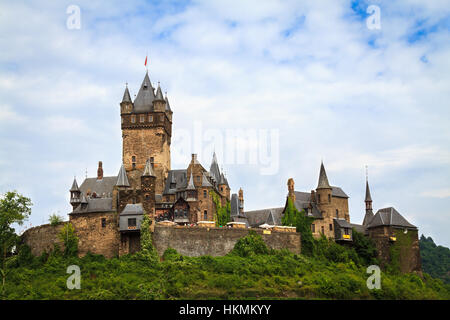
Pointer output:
152, 162
313, 228
161, 118
150, 118
133, 119
323, 230
221, 189
329, 198
205, 195
131, 223
103, 222
318, 197
133, 162
142, 118
346, 231
337, 213
198, 178
205, 215
331, 227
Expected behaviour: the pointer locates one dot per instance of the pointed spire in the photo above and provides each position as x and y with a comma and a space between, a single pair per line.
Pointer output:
214, 168
122, 179
191, 183
167, 104
74, 185
145, 96
126, 95
368, 197
148, 170
159, 95
323, 180
205, 181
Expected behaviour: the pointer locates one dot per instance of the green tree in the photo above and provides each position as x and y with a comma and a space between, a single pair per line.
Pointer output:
55, 219
14, 208
293, 217
365, 248
148, 251
70, 240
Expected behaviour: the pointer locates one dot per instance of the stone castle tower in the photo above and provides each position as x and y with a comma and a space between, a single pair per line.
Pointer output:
146, 133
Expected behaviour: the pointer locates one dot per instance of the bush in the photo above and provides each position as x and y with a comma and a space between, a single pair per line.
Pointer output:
54, 219
251, 244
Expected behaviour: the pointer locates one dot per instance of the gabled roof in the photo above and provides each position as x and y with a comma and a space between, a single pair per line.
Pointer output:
323, 180
389, 217
177, 179
103, 187
257, 217
342, 223
303, 202
94, 205
338, 192
132, 209
122, 179
145, 96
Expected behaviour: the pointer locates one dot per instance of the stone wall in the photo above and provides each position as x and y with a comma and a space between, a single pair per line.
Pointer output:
93, 236
43, 238
198, 241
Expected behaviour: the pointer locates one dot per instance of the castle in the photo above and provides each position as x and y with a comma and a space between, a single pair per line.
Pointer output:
107, 211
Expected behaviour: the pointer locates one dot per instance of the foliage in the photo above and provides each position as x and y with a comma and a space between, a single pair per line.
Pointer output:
435, 259
292, 217
148, 251
14, 208
55, 219
70, 240
365, 248
223, 213
251, 244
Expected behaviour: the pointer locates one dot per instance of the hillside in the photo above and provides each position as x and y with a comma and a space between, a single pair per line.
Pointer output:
251, 270
435, 259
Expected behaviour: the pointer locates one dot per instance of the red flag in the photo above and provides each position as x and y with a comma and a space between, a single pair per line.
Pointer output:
145, 61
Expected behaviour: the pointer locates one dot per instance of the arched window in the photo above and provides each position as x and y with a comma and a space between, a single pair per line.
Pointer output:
337, 213
329, 198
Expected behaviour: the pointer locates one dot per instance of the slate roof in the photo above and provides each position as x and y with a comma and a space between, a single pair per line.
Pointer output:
205, 181
102, 187
234, 204
214, 169
323, 180
258, 217
74, 185
122, 179
94, 205
342, 223
145, 96
126, 95
389, 217
368, 197
159, 95
190, 185
167, 104
148, 170
132, 209
176, 179
302, 202
338, 192
359, 228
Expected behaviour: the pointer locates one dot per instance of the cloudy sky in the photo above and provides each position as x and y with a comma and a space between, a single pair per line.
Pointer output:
322, 82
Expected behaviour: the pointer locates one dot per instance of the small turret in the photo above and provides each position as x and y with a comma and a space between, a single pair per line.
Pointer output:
159, 104
241, 201
100, 171
75, 194
126, 106
368, 200
323, 189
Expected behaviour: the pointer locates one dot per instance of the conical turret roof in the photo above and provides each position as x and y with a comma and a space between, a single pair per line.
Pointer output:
190, 185
126, 95
122, 179
205, 181
167, 104
368, 197
148, 170
145, 96
159, 95
74, 185
323, 180
214, 168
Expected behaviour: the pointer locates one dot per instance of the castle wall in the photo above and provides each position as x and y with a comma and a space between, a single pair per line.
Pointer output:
198, 241
43, 238
403, 253
93, 237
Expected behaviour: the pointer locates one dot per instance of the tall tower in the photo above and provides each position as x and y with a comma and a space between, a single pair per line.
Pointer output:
368, 200
146, 133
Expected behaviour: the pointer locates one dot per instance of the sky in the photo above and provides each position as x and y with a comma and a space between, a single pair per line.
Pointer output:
297, 82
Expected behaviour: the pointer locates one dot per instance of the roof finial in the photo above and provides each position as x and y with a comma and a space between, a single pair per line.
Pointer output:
367, 173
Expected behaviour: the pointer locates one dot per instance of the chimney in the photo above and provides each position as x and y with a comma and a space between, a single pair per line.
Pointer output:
194, 158
313, 196
241, 201
291, 193
99, 171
